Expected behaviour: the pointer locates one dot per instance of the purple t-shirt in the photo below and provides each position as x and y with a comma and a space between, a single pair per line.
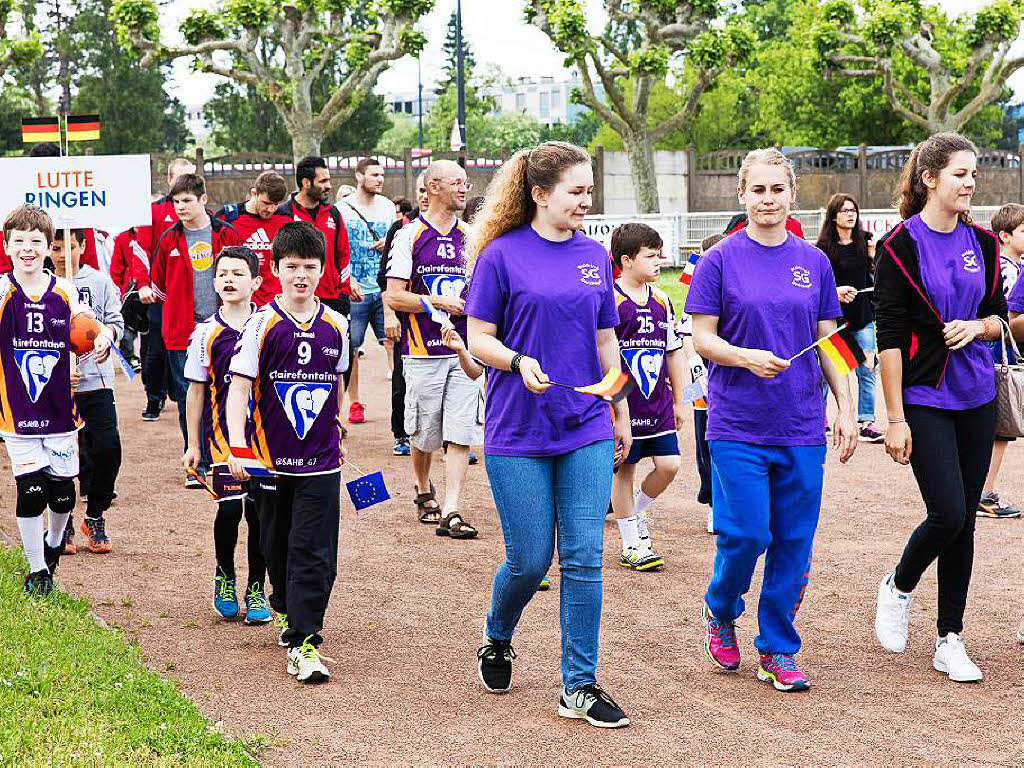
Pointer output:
646, 335
548, 300
766, 297
953, 272
295, 369
35, 362
1015, 298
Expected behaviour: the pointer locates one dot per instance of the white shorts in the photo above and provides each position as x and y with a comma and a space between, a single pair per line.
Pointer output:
57, 456
442, 404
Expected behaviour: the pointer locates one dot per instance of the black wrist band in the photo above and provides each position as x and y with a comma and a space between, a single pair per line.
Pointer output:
516, 360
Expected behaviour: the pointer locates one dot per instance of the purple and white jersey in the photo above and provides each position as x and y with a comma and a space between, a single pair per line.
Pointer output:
435, 265
35, 363
210, 351
294, 369
646, 334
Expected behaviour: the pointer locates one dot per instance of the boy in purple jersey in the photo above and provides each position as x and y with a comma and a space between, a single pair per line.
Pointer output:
290, 361
428, 259
211, 348
38, 421
651, 354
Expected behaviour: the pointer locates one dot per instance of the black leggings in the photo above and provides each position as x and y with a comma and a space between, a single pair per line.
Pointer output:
398, 395
225, 537
950, 458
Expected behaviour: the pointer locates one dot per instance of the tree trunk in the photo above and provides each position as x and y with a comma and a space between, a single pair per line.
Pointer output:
641, 164
305, 141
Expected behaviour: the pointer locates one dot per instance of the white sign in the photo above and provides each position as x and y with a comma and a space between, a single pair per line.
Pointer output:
878, 222
600, 228
107, 192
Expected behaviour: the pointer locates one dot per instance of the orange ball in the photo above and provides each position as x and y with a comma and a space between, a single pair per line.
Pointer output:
84, 331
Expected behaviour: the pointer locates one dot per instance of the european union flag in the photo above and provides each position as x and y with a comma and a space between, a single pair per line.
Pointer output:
367, 490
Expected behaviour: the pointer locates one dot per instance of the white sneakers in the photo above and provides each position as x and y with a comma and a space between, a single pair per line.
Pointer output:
891, 619
951, 658
305, 664
1020, 632
711, 521
892, 616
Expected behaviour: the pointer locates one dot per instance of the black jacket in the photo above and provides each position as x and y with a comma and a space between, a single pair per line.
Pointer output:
905, 317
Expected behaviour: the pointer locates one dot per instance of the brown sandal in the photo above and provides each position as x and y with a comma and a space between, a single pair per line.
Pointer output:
453, 525
428, 515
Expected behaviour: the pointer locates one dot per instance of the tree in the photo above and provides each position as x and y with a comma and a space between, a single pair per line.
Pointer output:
244, 120
636, 46
16, 54
136, 113
937, 73
450, 50
282, 48
581, 131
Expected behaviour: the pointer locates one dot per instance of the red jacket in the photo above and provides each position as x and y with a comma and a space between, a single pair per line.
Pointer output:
127, 249
162, 218
88, 255
172, 279
739, 222
258, 234
327, 219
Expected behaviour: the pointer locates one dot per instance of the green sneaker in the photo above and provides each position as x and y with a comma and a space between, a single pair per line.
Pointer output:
281, 623
305, 664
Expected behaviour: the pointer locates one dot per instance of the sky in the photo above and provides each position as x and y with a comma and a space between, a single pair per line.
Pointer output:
495, 30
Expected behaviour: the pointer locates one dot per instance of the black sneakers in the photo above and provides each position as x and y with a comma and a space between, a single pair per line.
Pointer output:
495, 664
592, 704
152, 412
40, 583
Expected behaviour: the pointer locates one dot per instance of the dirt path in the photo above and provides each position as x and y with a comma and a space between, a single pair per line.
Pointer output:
408, 607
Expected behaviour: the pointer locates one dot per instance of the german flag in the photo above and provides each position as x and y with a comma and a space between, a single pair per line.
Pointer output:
844, 352
37, 129
83, 127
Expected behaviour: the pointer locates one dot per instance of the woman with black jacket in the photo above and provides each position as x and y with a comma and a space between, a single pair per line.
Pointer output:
938, 296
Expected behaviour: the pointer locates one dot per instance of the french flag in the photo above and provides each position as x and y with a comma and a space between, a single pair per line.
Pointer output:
252, 464
691, 264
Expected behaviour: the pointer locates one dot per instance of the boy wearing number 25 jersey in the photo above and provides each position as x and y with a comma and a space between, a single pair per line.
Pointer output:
290, 360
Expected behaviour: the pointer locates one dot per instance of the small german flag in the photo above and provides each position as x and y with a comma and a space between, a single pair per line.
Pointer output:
844, 352
37, 129
83, 127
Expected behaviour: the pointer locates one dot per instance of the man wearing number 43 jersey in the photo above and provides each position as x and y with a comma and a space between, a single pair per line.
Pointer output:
289, 361
428, 261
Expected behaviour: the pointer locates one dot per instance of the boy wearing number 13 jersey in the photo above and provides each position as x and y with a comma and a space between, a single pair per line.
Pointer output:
290, 359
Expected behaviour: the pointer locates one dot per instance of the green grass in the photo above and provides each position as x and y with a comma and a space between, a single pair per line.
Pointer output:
72, 692
668, 281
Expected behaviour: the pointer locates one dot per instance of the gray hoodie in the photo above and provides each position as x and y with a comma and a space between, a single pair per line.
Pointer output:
99, 292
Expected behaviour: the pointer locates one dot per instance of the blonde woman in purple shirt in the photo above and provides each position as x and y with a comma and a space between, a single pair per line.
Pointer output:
758, 298
540, 305
938, 297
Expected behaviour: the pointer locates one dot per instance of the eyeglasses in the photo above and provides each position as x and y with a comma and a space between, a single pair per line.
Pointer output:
460, 183
847, 210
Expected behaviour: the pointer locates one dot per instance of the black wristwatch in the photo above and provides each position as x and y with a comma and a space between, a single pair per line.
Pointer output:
517, 359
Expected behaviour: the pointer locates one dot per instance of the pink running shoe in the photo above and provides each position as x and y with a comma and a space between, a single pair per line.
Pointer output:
781, 670
720, 642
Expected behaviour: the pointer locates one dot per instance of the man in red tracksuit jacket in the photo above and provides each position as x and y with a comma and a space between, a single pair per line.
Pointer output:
310, 204
154, 361
257, 222
182, 277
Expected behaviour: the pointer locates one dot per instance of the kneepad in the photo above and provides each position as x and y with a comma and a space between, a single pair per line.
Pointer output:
31, 494
61, 494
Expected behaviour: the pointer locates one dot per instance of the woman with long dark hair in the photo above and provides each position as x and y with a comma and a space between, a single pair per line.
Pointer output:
938, 298
851, 253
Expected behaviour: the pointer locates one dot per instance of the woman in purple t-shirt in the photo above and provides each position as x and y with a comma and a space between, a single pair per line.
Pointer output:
757, 299
938, 297
541, 304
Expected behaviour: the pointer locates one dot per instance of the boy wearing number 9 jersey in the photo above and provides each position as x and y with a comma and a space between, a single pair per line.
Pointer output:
289, 360
38, 420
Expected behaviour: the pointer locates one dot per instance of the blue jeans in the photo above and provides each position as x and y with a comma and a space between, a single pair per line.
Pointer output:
866, 376
538, 499
368, 312
766, 499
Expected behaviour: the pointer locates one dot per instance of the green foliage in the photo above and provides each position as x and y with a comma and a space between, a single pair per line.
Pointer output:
450, 51
650, 60
403, 134
250, 14
997, 22
412, 41
886, 26
15, 103
243, 119
201, 25
135, 17
580, 131
55, 710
